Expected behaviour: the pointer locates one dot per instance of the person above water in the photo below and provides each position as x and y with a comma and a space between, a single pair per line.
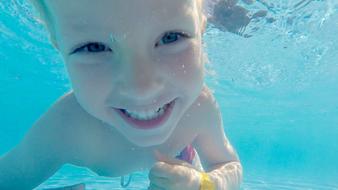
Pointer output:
138, 99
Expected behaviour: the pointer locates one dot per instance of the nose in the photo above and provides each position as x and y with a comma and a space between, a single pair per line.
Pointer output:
140, 80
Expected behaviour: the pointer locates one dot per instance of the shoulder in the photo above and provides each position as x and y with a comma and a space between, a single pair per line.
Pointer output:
80, 134
207, 101
206, 108
207, 95
59, 129
51, 128
47, 143
66, 106
67, 114
77, 131
57, 119
45, 140
212, 111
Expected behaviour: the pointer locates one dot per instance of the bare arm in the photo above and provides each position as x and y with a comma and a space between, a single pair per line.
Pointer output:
37, 157
217, 155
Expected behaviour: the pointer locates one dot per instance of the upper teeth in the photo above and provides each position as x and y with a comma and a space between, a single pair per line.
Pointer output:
146, 115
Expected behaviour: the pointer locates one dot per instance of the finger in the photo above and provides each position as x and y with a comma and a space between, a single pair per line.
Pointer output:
169, 160
160, 169
159, 181
165, 171
168, 171
152, 176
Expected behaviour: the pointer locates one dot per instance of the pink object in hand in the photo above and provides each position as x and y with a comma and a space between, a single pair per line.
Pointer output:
187, 154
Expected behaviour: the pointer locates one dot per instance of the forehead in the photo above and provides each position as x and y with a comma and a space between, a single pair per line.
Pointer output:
118, 13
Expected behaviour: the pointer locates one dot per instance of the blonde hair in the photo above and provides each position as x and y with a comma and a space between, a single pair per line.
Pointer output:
47, 19
202, 16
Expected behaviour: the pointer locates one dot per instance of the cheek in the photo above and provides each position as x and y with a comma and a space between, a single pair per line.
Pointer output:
86, 74
89, 83
186, 66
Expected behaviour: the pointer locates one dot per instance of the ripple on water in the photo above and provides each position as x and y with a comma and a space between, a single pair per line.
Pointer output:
256, 184
140, 182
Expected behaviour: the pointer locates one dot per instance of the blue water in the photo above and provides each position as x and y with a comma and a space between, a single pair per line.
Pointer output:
278, 92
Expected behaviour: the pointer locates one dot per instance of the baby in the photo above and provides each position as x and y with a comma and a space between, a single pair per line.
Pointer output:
138, 99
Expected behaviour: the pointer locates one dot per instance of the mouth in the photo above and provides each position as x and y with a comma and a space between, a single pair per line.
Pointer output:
147, 119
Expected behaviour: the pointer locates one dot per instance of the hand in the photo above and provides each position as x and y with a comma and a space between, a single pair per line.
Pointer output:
173, 174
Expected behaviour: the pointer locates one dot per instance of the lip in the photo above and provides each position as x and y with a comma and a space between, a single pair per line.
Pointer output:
148, 124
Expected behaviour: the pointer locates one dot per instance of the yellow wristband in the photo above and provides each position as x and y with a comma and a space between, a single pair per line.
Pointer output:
206, 183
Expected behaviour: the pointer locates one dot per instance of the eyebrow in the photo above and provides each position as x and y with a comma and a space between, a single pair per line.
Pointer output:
82, 25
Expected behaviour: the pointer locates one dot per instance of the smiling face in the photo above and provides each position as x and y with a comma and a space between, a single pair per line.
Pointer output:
127, 59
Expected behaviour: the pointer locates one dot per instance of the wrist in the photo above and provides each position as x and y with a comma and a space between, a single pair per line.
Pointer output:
206, 183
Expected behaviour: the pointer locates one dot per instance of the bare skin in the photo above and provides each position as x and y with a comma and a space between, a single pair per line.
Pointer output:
80, 139
115, 62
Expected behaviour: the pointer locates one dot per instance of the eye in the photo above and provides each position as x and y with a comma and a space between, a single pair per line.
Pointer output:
171, 37
92, 47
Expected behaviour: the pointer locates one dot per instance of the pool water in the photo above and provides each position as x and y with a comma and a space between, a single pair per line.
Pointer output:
277, 91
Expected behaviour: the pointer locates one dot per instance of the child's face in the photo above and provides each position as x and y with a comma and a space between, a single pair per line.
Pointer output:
132, 55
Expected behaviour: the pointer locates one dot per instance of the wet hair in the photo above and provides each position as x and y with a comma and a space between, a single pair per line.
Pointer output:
47, 20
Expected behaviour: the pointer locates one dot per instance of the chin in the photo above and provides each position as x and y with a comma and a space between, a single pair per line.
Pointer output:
149, 141
153, 138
